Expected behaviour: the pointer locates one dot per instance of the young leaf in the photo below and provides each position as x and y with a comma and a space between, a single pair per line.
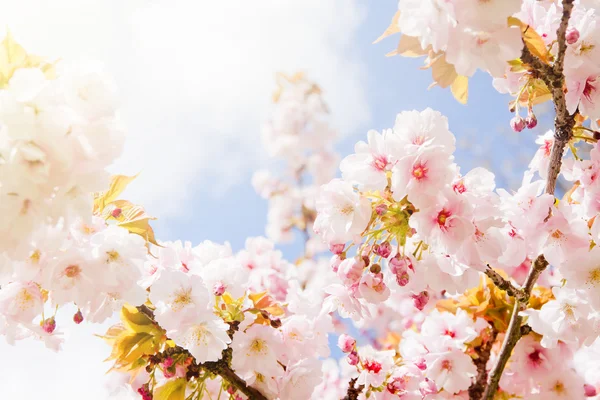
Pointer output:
460, 89
393, 28
172, 390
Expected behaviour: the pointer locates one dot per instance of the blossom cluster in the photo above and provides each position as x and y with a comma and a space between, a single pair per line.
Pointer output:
430, 266
200, 294
297, 134
57, 136
462, 36
58, 132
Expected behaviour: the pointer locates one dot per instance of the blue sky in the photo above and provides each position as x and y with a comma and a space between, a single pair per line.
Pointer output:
393, 84
195, 79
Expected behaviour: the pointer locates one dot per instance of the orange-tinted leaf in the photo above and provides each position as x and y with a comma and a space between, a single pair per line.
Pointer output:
532, 39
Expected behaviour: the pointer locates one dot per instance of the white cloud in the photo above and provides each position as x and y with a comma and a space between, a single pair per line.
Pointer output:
195, 79
196, 76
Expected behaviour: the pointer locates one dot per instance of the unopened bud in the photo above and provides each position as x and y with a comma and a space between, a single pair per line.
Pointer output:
531, 121
572, 36
381, 209
219, 289
402, 279
517, 124
231, 390
346, 343
420, 300
590, 391
78, 317
336, 248
366, 260
116, 212
353, 358
276, 323
49, 325
596, 135
375, 268
421, 364
384, 249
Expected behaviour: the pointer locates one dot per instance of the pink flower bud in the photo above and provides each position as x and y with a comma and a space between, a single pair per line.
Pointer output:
78, 317
353, 358
346, 343
49, 325
590, 391
381, 209
572, 36
421, 364
336, 248
400, 264
531, 121
402, 279
116, 212
420, 300
167, 362
219, 289
384, 249
517, 124
231, 390
144, 391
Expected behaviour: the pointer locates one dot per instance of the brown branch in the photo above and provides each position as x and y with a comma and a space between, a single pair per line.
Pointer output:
505, 284
220, 367
227, 373
563, 132
353, 391
514, 332
483, 355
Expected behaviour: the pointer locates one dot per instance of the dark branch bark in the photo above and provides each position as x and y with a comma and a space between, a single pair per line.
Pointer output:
227, 373
505, 284
353, 391
515, 330
483, 355
563, 132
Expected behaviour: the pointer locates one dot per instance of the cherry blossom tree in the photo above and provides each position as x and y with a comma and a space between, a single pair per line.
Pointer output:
434, 283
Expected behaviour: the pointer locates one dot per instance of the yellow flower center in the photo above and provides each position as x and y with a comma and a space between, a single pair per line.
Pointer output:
183, 297
258, 346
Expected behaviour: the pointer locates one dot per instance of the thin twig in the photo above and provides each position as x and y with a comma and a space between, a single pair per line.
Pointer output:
563, 132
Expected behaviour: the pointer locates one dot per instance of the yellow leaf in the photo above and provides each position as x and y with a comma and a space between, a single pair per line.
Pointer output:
409, 46
141, 226
13, 56
172, 390
532, 39
460, 89
137, 321
118, 183
536, 93
393, 28
442, 72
